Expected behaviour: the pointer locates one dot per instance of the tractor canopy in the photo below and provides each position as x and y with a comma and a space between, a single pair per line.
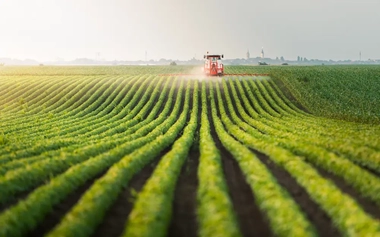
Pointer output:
213, 57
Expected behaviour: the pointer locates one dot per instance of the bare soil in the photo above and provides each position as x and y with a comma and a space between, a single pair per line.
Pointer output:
115, 218
184, 216
368, 206
322, 222
59, 211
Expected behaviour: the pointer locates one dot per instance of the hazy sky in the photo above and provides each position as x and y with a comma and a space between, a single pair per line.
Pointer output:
125, 29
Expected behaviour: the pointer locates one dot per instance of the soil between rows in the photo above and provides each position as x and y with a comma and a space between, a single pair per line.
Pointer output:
113, 223
322, 222
59, 210
184, 215
368, 206
251, 220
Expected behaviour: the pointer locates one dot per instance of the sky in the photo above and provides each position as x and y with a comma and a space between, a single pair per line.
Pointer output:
47, 30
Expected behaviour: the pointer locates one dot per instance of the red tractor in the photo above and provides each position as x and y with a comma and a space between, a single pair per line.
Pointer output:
213, 65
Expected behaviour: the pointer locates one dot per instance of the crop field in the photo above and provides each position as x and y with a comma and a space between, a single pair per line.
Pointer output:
134, 151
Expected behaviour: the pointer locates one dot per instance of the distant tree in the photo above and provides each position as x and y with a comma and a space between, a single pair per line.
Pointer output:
277, 58
41, 64
305, 59
298, 58
173, 64
282, 58
301, 59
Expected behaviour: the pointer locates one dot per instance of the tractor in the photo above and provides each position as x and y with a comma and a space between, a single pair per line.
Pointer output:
213, 65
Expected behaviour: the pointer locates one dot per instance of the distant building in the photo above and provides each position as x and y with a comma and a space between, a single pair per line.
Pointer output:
262, 53
247, 54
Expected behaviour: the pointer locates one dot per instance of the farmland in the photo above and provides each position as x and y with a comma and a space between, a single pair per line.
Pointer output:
133, 151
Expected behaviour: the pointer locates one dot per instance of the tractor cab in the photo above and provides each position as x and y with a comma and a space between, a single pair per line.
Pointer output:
213, 65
